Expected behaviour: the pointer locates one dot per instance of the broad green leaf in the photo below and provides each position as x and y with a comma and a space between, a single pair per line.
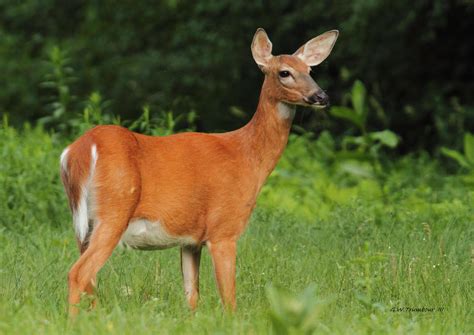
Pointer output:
457, 156
469, 148
359, 94
386, 137
347, 114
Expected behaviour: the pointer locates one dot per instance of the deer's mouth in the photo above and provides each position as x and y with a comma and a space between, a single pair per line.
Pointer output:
318, 99
316, 104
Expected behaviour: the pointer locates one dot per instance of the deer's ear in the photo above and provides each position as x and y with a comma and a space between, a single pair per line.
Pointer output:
261, 48
315, 51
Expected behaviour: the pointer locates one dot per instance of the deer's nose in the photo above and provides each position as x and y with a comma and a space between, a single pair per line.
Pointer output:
319, 97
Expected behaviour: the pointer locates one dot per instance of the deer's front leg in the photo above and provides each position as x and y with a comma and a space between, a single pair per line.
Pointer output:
223, 258
190, 259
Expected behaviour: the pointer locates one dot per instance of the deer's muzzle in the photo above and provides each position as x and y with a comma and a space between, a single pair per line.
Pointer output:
319, 98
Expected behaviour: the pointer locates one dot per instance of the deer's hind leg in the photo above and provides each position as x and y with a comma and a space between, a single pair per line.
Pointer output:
114, 208
82, 249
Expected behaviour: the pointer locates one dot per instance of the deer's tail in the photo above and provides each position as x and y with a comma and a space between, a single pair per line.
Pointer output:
78, 163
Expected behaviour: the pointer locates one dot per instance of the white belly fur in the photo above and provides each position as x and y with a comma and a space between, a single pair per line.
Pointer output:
146, 235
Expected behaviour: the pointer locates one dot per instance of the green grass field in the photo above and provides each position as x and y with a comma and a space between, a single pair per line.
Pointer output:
320, 255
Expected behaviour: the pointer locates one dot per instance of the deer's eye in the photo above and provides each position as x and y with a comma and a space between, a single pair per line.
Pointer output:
284, 74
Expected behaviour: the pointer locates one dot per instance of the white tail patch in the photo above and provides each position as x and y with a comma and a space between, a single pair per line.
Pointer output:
83, 212
63, 160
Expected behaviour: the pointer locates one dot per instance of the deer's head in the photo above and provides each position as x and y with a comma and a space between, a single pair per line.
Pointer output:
287, 77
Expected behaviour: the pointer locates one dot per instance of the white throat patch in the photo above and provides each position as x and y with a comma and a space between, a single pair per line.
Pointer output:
286, 111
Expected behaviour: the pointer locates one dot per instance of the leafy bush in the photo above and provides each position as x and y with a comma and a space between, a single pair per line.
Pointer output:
58, 79
364, 159
162, 124
29, 175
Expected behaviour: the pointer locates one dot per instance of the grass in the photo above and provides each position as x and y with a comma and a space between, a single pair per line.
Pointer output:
362, 257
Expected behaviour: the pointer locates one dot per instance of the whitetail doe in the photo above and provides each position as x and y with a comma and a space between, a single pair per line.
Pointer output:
190, 189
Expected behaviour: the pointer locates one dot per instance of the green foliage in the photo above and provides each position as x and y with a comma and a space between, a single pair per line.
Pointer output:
367, 269
31, 191
182, 55
93, 114
69, 123
165, 123
58, 80
307, 168
361, 154
357, 115
63, 118
466, 160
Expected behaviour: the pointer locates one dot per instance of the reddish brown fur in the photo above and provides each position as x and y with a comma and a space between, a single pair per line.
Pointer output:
198, 185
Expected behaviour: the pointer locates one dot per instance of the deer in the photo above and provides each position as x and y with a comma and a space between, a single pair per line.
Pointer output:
189, 190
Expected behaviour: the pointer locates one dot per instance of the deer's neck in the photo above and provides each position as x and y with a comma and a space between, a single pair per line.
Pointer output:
266, 135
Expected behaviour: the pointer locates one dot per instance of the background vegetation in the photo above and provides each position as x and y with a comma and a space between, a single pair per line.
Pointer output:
325, 252
414, 56
369, 213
